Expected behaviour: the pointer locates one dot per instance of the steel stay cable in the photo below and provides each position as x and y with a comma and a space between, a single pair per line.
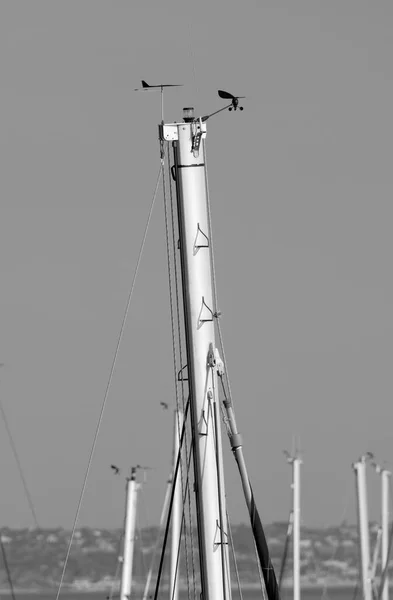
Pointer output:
234, 557
172, 318
170, 505
183, 513
112, 370
217, 440
19, 464
179, 331
286, 546
335, 549
7, 568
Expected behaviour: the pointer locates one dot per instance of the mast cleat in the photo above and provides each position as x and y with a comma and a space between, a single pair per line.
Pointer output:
201, 240
221, 535
203, 428
205, 314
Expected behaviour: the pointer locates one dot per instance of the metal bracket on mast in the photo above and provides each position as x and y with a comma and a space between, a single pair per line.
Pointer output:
197, 133
214, 360
221, 533
203, 427
180, 376
201, 240
206, 314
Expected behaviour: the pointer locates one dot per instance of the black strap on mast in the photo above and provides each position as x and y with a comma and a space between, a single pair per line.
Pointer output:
269, 575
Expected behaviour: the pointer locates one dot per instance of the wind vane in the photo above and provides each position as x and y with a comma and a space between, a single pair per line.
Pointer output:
153, 88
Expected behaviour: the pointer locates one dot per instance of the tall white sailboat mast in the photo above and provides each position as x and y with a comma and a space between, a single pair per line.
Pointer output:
204, 365
195, 252
295, 462
132, 488
385, 479
364, 535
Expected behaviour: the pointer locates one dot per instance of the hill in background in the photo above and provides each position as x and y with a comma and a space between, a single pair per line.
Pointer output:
36, 557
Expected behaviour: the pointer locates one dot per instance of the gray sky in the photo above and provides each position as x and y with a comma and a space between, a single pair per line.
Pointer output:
300, 186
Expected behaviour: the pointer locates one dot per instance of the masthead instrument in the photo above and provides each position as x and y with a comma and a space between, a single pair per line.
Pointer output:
146, 87
234, 105
234, 99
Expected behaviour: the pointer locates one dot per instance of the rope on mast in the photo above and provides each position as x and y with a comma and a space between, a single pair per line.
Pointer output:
108, 386
174, 298
183, 515
171, 504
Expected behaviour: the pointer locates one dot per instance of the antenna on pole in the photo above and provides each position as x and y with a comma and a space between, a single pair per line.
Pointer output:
153, 88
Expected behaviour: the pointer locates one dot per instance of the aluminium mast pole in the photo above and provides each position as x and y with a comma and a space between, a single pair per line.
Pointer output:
195, 254
176, 511
296, 528
129, 535
295, 461
360, 474
385, 474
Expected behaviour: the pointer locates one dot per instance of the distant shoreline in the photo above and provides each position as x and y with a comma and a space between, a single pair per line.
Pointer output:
246, 587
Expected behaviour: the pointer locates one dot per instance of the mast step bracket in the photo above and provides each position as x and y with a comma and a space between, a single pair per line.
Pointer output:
206, 314
183, 374
201, 240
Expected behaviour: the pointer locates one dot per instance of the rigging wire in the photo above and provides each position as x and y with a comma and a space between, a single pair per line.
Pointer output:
180, 343
19, 464
118, 561
182, 525
335, 549
140, 533
213, 270
159, 535
285, 552
104, 402
261, 580
192, 55
234, 557
176, 470
217, 440
7, 568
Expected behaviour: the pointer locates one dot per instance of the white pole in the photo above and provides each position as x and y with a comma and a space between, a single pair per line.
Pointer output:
195, 252
296, 528
360, 474
176, 512
129, 536
295, 461
374, 563
385, 528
